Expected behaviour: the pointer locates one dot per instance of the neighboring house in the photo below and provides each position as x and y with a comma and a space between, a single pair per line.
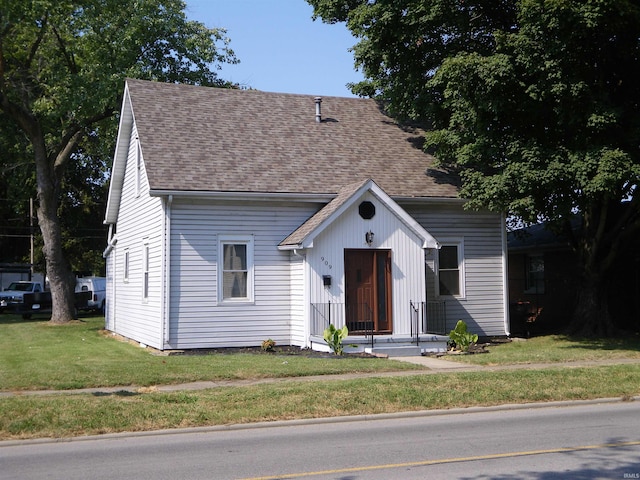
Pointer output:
237, 216
544, 277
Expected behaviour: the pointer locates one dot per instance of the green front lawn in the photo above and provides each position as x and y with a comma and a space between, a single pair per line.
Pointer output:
555, 349
35, 355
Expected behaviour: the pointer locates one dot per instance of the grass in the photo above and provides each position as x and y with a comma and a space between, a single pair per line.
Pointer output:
73, 415
36, 355
555, 349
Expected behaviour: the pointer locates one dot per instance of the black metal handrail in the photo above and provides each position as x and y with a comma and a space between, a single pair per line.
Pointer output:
357, 317
427, 317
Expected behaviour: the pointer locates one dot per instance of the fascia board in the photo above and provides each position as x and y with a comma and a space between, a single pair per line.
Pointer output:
119, 159
243, 196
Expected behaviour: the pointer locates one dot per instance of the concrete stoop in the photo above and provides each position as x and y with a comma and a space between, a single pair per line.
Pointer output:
390, 346
395, 350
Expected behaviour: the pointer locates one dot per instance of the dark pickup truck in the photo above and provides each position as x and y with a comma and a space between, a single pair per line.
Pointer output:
40, 302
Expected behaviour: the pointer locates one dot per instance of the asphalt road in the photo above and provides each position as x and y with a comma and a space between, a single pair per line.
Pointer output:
586, 441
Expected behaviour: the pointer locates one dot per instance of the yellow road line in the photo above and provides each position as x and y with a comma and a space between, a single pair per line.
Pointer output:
447, 460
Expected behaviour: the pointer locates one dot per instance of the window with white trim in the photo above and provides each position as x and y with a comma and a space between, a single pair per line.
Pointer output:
235, 272
451, 269
126, 266
145, 271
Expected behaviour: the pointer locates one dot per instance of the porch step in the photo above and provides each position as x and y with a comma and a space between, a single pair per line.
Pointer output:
398, 350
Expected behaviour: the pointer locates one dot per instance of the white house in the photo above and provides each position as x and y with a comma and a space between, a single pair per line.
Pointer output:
237, 216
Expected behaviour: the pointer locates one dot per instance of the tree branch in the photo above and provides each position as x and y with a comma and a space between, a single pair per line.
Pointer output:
68, 57
72, 137
34, 48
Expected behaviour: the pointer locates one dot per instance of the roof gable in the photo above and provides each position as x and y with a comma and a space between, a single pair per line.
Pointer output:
304, 236
120, 159
205, 139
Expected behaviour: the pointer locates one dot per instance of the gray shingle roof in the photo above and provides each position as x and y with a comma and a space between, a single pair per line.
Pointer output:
315, 220
212, 139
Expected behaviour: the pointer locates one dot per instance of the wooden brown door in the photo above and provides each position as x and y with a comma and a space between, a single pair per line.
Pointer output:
368, 290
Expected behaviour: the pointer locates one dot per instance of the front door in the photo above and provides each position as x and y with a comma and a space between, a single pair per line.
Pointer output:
368, 290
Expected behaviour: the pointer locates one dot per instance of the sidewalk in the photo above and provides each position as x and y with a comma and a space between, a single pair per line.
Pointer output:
433, 366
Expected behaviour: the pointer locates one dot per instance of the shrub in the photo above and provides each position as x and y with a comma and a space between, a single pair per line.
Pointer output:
462, 337
268, 344
334, 337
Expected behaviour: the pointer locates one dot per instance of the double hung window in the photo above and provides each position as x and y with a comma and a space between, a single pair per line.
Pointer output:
451, 270
535, 274
235, 278
145, 271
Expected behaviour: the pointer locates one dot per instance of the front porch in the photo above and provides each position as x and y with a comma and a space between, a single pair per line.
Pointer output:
427, 333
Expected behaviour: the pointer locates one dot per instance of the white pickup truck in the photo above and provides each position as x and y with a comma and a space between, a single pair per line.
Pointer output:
14, 293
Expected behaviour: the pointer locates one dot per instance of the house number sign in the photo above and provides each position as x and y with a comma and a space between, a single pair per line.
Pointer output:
326, 262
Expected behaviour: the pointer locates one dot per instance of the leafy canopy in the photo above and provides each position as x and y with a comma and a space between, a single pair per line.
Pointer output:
548, 124
535, 103
62, 66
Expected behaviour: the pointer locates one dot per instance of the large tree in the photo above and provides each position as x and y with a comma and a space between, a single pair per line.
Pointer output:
62, 65
534, 102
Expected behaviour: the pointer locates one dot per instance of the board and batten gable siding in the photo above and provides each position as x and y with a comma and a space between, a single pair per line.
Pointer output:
140, 222
483, 305
390, 233
299, 300
198, 318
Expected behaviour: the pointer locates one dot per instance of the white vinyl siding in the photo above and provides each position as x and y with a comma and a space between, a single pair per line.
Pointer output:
199, 316
483, 305
390, 233
140, 217
299, 300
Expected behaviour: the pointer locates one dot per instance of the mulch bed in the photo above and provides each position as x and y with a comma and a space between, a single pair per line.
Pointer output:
277, 350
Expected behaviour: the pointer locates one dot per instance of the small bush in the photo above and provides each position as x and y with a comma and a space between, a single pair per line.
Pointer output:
462, 338
334, 337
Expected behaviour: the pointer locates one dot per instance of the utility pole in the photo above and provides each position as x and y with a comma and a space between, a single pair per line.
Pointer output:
31, 272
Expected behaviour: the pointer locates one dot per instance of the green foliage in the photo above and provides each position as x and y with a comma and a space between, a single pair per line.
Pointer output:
268, 345
534, 103
61, 82
462, 337
334, 337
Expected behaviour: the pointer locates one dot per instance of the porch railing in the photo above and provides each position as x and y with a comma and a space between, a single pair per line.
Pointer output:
428, 317
357, 317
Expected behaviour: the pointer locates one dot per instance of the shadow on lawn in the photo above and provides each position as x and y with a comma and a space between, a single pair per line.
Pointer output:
627, 342
119, 393
7, 318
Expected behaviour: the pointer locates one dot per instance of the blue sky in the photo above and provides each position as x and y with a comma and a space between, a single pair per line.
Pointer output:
281, 49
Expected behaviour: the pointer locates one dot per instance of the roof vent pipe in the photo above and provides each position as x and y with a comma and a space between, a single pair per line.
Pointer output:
318, 114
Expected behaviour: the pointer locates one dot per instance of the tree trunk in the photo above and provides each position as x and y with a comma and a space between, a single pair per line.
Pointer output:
61, 279
591, 316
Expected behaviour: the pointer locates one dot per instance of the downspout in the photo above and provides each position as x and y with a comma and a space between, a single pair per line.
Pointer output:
166, 277
505, 276
111, 242
109, 314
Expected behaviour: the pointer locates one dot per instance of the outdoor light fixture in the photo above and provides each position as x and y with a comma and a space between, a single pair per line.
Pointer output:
368, 237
